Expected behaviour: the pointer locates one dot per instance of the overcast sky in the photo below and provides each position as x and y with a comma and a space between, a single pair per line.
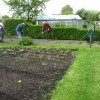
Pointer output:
4, 9
55, 6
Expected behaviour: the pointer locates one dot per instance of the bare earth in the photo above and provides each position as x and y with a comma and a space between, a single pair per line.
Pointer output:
31, 74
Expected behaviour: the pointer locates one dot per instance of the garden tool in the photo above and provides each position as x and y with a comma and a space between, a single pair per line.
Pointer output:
40, 34
9, 35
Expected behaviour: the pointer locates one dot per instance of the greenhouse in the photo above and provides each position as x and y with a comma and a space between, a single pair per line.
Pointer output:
57, 20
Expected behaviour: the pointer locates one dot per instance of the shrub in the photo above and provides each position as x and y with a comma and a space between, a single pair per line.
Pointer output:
26, 41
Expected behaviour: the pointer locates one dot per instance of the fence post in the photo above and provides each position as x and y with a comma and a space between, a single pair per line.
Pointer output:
90, 41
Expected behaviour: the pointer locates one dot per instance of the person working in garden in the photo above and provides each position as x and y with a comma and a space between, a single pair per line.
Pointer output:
46, 28
19, 29
1, 31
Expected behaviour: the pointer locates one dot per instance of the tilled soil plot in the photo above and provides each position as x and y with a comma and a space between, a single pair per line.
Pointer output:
30, 74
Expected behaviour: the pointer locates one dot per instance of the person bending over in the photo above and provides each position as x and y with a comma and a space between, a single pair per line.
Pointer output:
46, 28
19, 29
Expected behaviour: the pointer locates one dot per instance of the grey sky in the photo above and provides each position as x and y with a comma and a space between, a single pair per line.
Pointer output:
55, 6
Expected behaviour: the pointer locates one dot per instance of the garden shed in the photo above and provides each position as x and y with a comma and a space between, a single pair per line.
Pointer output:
58, 20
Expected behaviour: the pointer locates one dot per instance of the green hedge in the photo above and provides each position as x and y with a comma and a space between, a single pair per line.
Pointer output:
68, 33
34, 31
10, 26
29, 29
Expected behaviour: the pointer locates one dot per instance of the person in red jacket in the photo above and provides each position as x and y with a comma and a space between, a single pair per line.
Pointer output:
47, 29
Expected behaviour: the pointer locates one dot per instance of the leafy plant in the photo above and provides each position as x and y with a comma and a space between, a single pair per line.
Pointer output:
26, 41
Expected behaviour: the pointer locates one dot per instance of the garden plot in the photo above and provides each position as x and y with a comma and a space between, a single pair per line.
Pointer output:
31, 74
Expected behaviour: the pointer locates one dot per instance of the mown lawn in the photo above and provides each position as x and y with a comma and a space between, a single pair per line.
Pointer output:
82, 80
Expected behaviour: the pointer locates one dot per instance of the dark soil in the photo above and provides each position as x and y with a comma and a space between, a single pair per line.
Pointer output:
30, 74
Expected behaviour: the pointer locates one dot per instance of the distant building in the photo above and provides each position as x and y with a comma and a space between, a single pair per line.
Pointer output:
61, 20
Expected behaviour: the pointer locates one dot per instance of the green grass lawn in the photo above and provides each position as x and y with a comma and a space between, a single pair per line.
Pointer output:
82, 80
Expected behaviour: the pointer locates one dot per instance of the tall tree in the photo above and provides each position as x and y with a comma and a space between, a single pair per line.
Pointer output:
67, 10
27, 9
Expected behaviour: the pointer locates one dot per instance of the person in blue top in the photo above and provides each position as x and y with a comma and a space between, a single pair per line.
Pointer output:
19, 29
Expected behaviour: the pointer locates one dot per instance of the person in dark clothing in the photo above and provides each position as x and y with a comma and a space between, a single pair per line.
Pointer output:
19, 29
47, 29
1, 32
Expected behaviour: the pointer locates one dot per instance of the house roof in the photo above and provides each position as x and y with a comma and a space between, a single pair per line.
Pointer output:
58, 17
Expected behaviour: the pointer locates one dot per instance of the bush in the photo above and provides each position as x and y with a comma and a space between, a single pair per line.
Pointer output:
26, 41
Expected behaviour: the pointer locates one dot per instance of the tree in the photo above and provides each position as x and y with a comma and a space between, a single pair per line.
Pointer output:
88, 14
82, 13
27, 9
67, 10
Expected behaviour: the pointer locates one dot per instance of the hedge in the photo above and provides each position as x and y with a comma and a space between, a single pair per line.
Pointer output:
10, 26
34, 31
29, 29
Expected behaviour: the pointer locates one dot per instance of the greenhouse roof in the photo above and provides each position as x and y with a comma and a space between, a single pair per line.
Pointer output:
58, 17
